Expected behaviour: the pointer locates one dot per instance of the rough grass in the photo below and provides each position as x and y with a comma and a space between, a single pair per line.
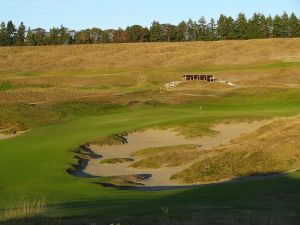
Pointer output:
115, 58
166, 156
115, 139
272, 149
103, 72
116, 160
22, 207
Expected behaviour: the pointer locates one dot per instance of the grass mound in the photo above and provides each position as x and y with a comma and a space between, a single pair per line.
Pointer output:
116, 160
115, 139
273, 148
166, 156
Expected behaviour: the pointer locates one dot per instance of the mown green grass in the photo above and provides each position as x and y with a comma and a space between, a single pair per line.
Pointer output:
36, 162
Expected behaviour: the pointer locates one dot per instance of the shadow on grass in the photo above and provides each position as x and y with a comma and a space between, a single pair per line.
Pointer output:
272, 201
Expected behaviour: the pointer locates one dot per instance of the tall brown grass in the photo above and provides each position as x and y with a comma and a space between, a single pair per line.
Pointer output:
112, 58
22, 207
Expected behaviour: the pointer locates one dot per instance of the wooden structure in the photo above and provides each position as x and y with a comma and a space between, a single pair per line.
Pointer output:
205, 77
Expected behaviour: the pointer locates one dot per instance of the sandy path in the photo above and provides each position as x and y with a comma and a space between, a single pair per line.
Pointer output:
160, 138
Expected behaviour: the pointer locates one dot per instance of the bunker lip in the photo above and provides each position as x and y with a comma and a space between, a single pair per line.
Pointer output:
152, 138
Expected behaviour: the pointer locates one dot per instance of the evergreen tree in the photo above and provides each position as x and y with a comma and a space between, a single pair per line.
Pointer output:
155, 32
30, 38
3, 35
191, 30
212, 30
203, 29
53, 36
11, 31
225, 27
269, 27
21, 35
241, 27
285, 20
181, 31
64, 35
254, 27
277, 27
294, 26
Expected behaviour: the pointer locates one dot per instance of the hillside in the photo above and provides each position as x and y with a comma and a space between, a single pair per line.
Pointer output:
59, 73
145, 56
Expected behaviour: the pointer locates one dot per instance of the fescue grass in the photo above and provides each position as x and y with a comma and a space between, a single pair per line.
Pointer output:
22, 207
168, 156
116, 160
272, 149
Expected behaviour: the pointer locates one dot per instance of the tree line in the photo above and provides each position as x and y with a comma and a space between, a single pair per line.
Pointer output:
225, 28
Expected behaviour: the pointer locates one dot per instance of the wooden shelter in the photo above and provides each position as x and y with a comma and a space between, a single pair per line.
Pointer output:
205, 77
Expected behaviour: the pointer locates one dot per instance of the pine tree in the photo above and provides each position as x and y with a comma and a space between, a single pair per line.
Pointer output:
191, 30
212, 30
3, 35
269, 27
30, 41
241, 27
11, 31
226, 27
294, 26
21, 35
277, 27
254, 27
203, 29
181, 31
286, 31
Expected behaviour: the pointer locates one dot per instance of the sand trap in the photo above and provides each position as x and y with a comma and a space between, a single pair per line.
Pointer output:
161, 138
6, 136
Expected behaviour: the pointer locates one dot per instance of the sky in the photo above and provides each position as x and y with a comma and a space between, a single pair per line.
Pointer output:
80, 14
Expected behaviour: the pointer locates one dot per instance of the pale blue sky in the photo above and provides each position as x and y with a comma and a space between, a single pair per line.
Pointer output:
77, 14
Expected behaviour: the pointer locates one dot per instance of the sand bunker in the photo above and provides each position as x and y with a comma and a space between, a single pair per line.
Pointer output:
6, 136
160, 138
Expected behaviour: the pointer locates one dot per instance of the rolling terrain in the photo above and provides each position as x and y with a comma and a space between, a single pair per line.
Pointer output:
56, 101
